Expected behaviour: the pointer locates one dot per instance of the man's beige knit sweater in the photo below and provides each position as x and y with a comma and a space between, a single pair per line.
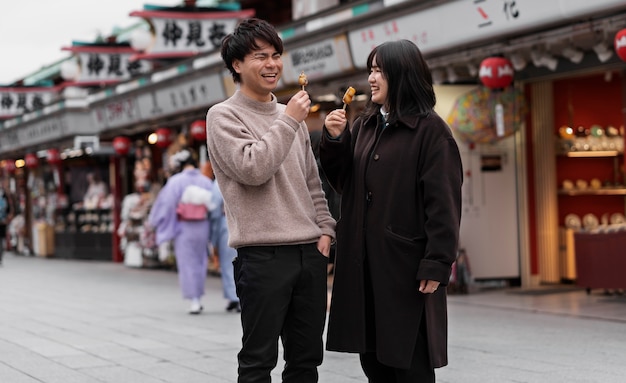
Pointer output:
266, 170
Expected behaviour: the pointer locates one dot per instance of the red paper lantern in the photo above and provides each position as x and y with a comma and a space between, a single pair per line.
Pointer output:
164, 137
496, 72
9, 166
198, 130
31, 160
121, 145
53, 156
620, 44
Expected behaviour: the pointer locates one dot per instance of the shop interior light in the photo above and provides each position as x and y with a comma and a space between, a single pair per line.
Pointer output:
574, 55
152, 138
603, 51
20, 163
439, 77
543, 59
518, 61
452, 76
472, 69
329, 97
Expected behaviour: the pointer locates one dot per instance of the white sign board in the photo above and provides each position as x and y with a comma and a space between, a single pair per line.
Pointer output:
462, 22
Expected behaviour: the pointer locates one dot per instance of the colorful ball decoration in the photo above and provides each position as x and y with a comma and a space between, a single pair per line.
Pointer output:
620, 44
198, 130
121, 145
53, 156
496, 72
31, 160
9, 166
165, 137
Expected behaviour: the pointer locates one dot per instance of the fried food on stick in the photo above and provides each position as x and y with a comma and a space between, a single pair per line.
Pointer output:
348, 96
303, 80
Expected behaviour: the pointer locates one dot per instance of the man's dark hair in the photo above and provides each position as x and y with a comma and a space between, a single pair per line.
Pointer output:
243, 40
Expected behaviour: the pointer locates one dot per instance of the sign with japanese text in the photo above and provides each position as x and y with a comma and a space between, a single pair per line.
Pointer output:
45, 130
15, 101
180, 34
117, 113
462, 22
96, 64
325, 58
193, 93
154, 102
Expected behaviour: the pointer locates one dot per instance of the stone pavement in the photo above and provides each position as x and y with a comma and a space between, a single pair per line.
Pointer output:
76, 321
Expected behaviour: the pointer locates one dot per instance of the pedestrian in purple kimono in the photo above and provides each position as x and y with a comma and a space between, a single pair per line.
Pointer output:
190, 238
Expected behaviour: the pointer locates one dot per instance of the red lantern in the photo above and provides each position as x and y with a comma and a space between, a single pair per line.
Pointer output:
620, 44
198, 130
9, 166
31, 160
121, 145
496, 72
164, 137
53, 156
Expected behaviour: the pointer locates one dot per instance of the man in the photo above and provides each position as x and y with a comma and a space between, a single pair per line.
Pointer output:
277, 215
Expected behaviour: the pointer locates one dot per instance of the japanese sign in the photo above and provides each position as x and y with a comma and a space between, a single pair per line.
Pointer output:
176, 34
16, 101
45, 130
104, 64
325, 58
457, 23
192, 93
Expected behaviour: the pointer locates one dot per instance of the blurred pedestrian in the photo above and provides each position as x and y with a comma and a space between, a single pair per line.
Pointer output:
278, 219
399, 173
4, 220
226, 254
191, 190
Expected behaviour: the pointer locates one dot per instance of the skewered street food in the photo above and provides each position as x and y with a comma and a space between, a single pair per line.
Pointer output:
348, 96
303, 80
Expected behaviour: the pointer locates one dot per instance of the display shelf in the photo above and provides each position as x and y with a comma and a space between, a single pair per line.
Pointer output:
84, 234
592, 153
603, 191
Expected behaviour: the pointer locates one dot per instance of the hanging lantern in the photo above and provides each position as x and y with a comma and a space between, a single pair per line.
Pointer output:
53, 156
198, 130
31, 161
9, 166
164, 137
496, 72
121, 145
620, 44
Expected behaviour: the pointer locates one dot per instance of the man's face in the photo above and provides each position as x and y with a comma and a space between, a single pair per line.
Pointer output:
260, 71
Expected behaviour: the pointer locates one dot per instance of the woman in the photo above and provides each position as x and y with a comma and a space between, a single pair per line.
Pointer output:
4, 220
191, 237
399, 172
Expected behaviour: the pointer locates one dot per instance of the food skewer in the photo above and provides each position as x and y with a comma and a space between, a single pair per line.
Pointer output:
348, 96
303, 80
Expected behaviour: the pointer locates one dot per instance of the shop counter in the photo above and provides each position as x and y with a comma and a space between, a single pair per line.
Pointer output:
85, 234
601, 260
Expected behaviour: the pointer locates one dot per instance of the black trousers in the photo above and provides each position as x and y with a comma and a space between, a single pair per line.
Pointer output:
283, 294
419, 372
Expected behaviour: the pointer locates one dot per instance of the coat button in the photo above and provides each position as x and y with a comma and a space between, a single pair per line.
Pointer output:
376, 157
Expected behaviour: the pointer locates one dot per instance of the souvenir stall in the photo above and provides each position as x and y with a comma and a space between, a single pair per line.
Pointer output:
84, 224
137, 242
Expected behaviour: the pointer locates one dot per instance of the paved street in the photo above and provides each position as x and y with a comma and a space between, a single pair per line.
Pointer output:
66, 321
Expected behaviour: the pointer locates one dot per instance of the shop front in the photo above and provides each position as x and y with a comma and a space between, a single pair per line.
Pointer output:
515, 197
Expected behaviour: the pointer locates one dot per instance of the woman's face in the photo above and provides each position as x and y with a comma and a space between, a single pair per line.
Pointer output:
378, 84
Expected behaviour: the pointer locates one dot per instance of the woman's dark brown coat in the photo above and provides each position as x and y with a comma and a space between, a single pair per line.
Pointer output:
401, 205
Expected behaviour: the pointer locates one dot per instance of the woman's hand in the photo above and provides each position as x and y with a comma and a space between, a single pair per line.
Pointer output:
428, 287
336, 122
323, 245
